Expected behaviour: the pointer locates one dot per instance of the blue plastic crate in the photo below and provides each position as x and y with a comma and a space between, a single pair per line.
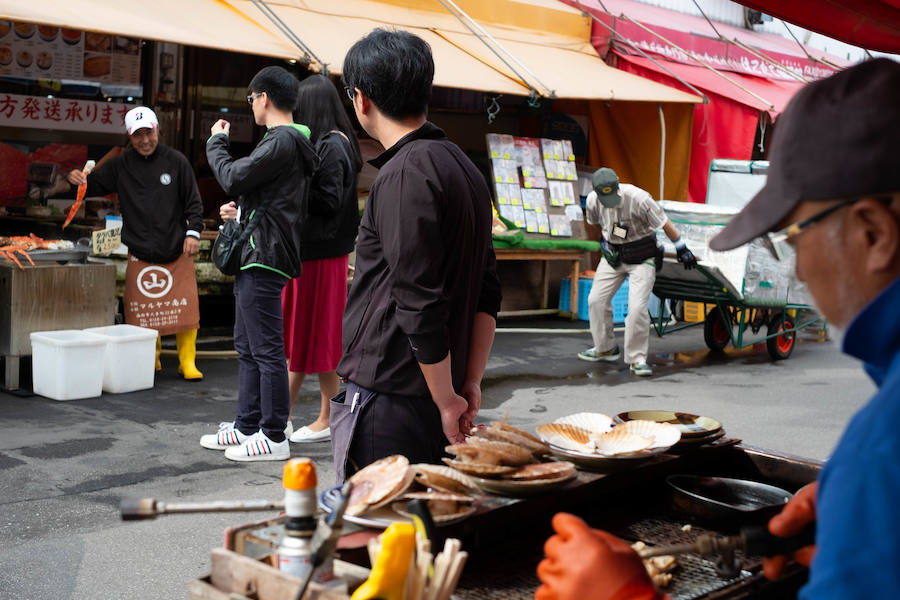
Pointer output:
619, 301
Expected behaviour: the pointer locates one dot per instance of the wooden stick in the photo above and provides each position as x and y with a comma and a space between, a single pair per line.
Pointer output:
440, 571
374, 547
455, 573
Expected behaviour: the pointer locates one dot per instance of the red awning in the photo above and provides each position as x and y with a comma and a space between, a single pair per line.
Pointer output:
872, 24
770, 96
696, 35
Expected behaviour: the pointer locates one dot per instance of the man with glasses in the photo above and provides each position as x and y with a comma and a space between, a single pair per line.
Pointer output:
832, 198
270, 185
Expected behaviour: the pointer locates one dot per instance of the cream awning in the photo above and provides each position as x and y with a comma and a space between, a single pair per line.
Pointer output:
549, 38
205, 23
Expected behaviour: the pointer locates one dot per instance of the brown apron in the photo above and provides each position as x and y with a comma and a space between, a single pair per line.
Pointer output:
162, 296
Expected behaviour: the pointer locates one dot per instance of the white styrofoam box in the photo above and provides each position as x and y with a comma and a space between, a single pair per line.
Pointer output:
67, 364
130, 357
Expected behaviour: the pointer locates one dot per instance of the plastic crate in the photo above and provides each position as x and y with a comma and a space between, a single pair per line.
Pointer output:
130, 357
619, 301
67, 364
694, 313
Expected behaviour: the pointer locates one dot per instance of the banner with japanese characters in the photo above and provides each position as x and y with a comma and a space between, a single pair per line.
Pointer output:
162, 297
41, 112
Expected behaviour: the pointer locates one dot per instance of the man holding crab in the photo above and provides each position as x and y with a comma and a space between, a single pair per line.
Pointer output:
161, 216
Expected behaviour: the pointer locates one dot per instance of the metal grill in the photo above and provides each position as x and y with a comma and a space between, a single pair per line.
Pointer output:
512, 576
695, 576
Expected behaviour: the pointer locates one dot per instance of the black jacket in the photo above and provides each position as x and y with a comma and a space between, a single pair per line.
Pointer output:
333, 212
278, 172
158, 198
425, 265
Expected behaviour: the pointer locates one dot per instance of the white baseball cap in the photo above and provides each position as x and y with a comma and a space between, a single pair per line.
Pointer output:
140, 117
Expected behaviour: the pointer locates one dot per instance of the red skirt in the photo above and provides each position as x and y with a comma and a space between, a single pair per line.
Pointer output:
313, 307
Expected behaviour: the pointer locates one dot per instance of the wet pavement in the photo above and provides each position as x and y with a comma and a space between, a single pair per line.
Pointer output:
64, 466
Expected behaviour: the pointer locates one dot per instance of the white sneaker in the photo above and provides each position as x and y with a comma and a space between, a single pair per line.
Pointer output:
305, 435
226, 437
289, 430
259, 447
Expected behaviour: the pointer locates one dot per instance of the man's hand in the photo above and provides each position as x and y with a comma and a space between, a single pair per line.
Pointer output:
220, 126
589, 564
228, 211
471, 391
452, 408
793, 518
76, 177
191, 245
686, 257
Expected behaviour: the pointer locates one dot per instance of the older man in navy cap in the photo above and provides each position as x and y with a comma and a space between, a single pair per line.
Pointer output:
832, 198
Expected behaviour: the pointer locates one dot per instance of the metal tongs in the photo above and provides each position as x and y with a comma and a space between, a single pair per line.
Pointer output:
752, 540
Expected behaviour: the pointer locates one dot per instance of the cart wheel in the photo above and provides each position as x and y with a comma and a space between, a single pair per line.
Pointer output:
715, 334
781, 346
676, 307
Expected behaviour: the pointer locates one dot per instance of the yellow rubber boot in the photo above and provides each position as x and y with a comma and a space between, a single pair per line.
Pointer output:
186, 343
158, 350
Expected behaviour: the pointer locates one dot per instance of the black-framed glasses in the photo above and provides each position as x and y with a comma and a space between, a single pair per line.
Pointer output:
350, 92
778, 242
252, 96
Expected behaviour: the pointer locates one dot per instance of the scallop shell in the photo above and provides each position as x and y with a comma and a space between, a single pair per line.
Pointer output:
509, 428
510, 437
547, 470
593, 422
566, 436
478, 469
472, 454
462, 510
381, 480
444, 479
664, 435
438, 496
619, 443
512, 455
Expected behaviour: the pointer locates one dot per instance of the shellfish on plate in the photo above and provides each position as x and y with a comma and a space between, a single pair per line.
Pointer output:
444, 479
442, 506
377, 484
593, 422
664, 435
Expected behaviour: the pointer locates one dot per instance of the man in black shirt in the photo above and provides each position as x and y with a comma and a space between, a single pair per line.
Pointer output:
422, 309
162, 214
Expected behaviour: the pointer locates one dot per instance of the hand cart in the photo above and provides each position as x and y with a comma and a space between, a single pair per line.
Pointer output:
733, 313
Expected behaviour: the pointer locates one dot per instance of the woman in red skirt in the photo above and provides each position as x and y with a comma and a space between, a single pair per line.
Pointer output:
313, 303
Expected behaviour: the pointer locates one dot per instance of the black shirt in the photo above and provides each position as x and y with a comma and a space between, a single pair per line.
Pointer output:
425, 266
158, 198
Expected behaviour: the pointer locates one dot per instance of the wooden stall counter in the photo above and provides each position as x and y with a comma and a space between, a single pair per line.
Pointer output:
572, 255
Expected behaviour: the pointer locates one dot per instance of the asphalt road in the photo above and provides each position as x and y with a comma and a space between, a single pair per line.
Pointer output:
64, 466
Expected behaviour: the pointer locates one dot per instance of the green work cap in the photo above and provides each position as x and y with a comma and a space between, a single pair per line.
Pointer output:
606, 185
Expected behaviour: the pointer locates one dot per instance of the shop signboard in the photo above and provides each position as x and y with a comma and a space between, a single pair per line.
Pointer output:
47, 112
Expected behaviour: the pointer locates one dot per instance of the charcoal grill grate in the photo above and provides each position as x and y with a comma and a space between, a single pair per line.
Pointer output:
695, 576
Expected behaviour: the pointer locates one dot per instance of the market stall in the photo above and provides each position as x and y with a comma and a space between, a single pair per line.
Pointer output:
705, 492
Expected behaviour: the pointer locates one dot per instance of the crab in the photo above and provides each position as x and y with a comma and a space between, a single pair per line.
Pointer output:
22, 245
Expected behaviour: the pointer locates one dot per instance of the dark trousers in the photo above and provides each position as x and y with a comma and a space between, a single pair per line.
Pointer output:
263, 396
372, 425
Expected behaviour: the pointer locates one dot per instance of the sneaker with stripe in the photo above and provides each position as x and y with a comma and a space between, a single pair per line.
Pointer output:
226, 437
259, 447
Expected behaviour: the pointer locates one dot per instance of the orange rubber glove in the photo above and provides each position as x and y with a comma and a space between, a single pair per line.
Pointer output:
588, 564
799, 512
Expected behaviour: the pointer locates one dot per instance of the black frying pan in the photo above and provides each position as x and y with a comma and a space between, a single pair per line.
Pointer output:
736, 502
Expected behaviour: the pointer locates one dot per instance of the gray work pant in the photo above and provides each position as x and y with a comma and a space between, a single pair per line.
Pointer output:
607, 281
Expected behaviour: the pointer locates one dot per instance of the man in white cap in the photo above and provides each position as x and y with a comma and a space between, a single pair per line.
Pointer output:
629, 218
161, 211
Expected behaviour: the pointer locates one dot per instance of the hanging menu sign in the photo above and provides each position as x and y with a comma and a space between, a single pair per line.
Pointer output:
46, 52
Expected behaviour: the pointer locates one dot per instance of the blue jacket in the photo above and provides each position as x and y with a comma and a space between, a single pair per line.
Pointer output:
858, 502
